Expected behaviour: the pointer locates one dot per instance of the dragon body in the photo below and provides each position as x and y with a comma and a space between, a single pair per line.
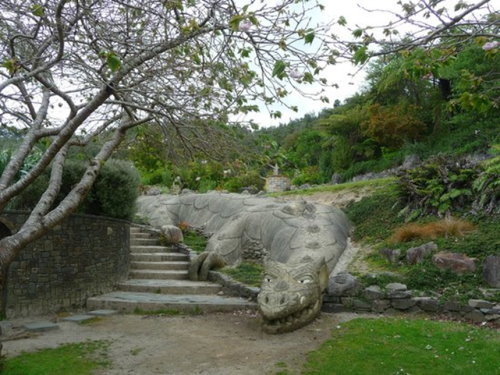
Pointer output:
298, 242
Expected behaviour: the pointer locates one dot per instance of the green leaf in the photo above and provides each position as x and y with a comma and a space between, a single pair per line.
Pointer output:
113, 61
253, 19
37, 10
10, 65
361, 55
357, 33
234, 22
308, 38
308, 77
245, 52
342, 21
279, 69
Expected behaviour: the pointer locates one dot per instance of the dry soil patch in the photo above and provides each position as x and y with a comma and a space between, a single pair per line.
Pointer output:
225, 343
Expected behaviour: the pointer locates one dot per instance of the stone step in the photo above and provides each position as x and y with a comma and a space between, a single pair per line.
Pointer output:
144, 242
169, 286
159, 257
172, 265
136, 230
158, 274
129, 301
150, 249
142, 235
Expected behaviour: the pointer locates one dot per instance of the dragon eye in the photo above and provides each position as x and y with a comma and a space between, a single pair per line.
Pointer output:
268, 279
305, 281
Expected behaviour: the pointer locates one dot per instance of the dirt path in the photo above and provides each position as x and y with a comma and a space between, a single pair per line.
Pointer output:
226, 343
337, 198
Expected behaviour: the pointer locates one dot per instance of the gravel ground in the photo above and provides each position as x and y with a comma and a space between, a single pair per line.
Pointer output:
225, 343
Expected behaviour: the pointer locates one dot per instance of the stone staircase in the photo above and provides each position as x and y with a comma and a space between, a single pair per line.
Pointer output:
158, 280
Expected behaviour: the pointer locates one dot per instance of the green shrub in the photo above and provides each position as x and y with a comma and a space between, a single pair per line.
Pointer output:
308, 175
113, 194
375, 216
342, 154
444, 184
235, 184
206, 185
160, 176
486, 188
116, 189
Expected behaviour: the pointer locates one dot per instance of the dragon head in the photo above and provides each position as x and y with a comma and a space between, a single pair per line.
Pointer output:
291, 294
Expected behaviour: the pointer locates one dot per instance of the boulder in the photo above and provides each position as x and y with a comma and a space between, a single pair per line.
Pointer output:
343, 284
336, 179
427, 303
411, 161
172, 234
480, 304
380, 305
373, 292
392, 255
395, 287
403, 304
417, 254
457, 263
491, 271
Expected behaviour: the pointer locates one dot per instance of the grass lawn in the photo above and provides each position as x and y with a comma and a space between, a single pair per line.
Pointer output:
374, 184
195, 241
246, 273
407, 346
75, 359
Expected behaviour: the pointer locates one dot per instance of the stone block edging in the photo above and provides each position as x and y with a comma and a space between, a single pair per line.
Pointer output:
403, 301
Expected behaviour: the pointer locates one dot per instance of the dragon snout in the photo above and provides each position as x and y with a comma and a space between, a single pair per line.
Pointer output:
275, 305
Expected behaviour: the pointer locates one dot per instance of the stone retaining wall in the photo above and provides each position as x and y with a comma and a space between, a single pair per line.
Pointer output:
277, 184
396, 298
82, 257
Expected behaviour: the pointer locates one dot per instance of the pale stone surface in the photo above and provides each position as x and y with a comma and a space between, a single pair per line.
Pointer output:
403, 304
373, 292
78, 318
491, 270
288, 234
103, 312
417, 254
40, 326
172, 234
456, 262
480, 304
343, 284
395, 287
427, 303
380, 305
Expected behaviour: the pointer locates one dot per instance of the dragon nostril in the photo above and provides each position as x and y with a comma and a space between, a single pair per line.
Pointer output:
267, 299
282, 301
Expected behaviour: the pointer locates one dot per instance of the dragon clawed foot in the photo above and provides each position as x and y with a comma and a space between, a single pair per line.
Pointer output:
199, 267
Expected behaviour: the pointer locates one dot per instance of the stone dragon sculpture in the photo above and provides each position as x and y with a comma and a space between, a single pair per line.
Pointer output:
298, 242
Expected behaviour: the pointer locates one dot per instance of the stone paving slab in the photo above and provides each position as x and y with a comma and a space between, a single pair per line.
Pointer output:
103, 312
169, 286
129, 301
5, 327
40, 326
78, 318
